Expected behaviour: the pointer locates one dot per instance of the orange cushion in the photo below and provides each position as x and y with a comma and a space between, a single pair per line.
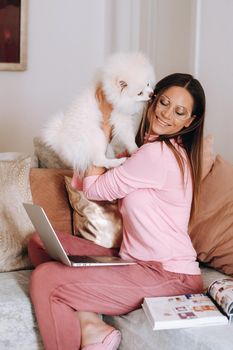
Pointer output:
212, 228
48, 191
208, 155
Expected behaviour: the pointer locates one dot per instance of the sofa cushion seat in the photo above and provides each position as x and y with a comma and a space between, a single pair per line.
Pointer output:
18, 328
18, 325
137, 334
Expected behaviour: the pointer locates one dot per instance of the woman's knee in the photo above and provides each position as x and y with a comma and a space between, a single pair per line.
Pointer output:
34, 243
45, 278
34, 240
36, 251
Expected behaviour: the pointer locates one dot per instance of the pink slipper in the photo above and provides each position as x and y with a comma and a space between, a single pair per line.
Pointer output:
111, 342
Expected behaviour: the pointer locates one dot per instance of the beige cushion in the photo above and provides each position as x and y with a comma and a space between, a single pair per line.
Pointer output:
47, 157
98, 221
19, 155
212, 228
15, 226
48, 191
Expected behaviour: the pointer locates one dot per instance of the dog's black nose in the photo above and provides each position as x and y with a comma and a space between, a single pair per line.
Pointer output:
151, 94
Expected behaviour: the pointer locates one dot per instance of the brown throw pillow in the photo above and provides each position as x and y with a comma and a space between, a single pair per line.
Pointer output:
97, 221
48, 191
212, 228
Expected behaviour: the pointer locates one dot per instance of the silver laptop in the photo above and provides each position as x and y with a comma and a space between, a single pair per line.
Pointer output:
54, 248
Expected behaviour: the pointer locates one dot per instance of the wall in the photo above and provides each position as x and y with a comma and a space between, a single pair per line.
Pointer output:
154, 26
192, 36
69, 39
196, 36
215, 70
174, 30
65, 44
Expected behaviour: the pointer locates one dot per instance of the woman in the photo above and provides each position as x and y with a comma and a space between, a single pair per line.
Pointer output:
157, 187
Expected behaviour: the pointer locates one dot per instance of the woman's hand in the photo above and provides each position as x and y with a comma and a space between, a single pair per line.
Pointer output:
123, 154
94, 170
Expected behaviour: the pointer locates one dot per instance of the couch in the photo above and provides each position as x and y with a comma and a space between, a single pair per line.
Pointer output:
46, 187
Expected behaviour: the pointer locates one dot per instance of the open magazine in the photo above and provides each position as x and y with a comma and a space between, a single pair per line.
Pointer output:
192, 310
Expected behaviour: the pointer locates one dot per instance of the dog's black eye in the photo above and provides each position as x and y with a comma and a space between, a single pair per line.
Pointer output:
140, 93
148, 84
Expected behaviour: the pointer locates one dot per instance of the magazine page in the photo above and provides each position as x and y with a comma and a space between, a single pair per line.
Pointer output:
222, 292
182, 311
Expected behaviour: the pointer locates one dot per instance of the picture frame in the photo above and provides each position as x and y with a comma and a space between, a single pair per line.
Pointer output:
13, 35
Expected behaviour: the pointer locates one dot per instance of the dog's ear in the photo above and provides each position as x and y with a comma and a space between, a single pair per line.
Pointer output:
121, 84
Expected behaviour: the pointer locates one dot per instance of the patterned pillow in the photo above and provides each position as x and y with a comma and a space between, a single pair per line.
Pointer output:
98, 221
19, 155
15, 226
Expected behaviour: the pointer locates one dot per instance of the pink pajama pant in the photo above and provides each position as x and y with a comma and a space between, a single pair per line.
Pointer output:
57, 291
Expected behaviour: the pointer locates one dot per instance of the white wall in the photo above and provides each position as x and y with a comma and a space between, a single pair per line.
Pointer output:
160, 28
65, 44
215, 70
193, 36
69, 39
196, 36
173, 45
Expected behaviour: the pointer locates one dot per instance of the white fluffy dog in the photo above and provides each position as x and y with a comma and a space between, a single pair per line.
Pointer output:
125, 83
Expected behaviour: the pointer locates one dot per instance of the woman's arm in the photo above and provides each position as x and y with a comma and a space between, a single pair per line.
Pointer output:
144, 169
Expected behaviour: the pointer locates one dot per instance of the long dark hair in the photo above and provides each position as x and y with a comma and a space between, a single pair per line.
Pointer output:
191, 137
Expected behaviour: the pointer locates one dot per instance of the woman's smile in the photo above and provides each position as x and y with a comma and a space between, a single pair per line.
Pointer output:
161, 122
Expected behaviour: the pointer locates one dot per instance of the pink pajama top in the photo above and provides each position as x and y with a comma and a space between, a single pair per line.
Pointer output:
155, 206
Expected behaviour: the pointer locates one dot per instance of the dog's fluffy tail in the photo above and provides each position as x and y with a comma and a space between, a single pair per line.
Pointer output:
50, 132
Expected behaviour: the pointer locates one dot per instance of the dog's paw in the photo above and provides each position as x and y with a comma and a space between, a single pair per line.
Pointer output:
132, 149
116, 162
121, 160
131, 146
110, 163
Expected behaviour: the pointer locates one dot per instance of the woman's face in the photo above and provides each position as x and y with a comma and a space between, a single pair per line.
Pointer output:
173, 111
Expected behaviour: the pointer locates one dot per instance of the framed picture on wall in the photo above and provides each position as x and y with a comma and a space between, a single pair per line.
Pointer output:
13, 34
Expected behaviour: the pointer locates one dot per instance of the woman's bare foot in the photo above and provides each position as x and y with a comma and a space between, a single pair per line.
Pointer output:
94, 329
